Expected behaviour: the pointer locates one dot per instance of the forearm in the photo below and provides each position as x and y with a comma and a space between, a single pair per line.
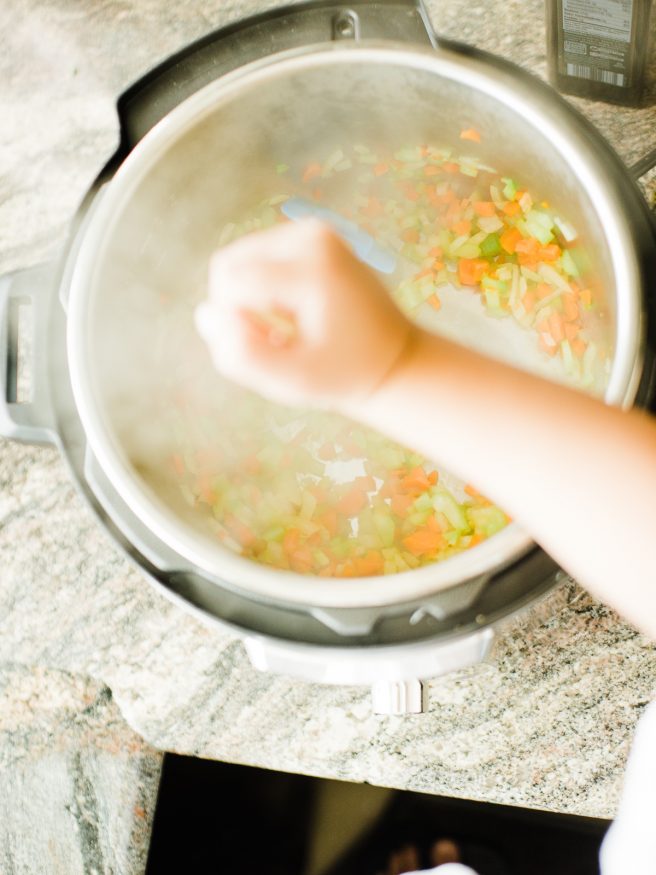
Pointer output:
579, 476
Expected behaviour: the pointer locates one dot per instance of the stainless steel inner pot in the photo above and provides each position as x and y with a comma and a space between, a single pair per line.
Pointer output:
155, 226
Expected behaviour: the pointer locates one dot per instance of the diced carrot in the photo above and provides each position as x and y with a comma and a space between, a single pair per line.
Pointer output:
178, 464
311, 171
543, 290
476, 539
431, 170
570, 307
401, 504
327, 451
436, 252
291, 540
510, 208
519, 195
432, 524
352, 503
416, 481
529, 301
410, 192
366, 483
301, 559
433, 477
423, 541
528, 250
205, 490
381, 168
556, 326
438, 265
330, 521
434, 302
549, 253
450, 167
585, 296
578, 347
471, 134
410, 235
371, 563
240, 531
462, 227
509, 240
484, 208
471, 270
571, 330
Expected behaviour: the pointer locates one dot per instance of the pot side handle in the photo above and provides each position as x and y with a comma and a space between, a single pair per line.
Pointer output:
25, 301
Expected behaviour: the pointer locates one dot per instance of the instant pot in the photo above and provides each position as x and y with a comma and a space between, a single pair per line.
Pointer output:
280, 81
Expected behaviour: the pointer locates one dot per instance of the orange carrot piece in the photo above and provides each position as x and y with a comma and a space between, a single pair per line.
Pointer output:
291, 540
484, 208
410, 235
431, 170
570, 307
434, 302
327, 451
509, 240
471, 270
352, 503
401, 504
510, 208
366, 483
462, 227
371, 563
529, 301
585, 296
423, 542
433, 477
556, 327
450, 167
436, 252
311, 171
330, 521
542, 290
578, 347
416, 481
373, 208
381, 169
571, 330
471, 134
549, 253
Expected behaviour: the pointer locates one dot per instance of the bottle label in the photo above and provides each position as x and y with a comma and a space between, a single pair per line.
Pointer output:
597, 41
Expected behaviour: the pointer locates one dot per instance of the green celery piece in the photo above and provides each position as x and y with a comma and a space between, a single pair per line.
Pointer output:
445, 503
492, 285
491, 246
385, 527
568, 264
424, 502
487, 520
509, 189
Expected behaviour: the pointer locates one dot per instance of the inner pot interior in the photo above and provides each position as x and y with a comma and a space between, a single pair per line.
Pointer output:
211, 165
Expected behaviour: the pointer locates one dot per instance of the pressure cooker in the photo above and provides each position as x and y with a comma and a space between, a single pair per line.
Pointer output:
194, 133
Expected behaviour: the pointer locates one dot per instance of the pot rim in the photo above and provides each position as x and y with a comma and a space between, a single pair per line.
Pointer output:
560, 125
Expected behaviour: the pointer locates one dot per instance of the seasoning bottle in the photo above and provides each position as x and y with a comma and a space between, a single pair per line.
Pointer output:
598, 48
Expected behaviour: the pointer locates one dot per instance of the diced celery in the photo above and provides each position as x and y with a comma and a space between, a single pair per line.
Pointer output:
424, 502
568, 265
509, 189
445, 503
282, 168
486, 520
492, 285
491, 246
385, 527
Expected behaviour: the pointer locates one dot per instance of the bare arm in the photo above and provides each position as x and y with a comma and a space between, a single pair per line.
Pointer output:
579, 476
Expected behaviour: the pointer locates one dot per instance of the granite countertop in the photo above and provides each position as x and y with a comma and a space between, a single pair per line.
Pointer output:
99, 673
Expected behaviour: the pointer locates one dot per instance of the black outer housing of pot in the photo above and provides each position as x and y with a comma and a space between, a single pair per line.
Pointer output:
142, 106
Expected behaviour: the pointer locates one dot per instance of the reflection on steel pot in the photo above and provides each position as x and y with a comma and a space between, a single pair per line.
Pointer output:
147, 230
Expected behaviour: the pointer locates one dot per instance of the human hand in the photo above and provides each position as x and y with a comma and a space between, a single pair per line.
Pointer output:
292, 314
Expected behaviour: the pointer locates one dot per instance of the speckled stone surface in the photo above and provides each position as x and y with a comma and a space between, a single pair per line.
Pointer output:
545, 723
